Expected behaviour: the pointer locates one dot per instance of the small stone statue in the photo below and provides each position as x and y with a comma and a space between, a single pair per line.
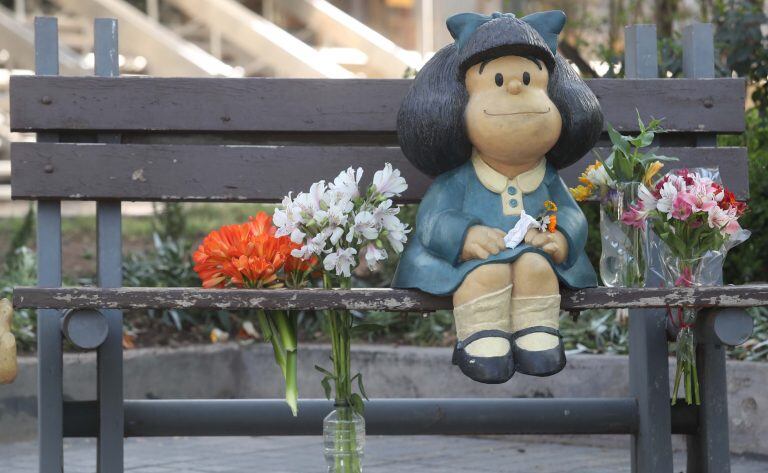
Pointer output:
494, 116
8, 364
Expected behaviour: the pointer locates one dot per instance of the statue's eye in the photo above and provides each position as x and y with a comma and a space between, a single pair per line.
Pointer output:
499, 79
526, 78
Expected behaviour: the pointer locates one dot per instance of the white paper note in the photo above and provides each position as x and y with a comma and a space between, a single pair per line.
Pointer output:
515, 236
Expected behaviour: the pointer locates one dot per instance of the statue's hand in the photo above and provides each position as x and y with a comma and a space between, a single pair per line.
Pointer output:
8, 363
482, 242
553, 244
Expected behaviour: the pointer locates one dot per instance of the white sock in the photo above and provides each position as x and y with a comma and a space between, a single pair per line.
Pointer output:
487, 312
531, 311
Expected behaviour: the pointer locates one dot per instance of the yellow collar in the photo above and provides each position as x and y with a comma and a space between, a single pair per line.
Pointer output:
496, 182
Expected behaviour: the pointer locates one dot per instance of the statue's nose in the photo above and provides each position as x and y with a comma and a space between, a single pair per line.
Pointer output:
514, 87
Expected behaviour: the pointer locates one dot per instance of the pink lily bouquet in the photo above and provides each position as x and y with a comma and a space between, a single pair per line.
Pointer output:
697, 220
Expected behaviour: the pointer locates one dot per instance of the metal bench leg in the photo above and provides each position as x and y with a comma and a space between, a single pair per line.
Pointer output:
49, 350
109, 224
709, 450
649, 384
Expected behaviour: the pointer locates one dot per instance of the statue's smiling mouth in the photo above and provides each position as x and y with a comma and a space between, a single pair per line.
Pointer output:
515, 113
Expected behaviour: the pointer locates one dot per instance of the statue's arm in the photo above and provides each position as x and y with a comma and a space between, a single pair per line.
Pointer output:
441, 225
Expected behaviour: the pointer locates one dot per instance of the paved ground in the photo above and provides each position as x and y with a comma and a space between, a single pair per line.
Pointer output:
384, 454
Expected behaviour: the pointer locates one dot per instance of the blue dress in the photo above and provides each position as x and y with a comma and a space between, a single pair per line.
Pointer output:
475, 194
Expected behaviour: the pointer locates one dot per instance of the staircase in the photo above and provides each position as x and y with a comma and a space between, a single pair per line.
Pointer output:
201, 38
17, 56
165, 52
339, 36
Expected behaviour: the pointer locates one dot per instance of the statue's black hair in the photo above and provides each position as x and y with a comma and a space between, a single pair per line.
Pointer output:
430, 123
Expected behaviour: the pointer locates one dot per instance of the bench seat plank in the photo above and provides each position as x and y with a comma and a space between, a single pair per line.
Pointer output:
250, 173
402, 300
325, 105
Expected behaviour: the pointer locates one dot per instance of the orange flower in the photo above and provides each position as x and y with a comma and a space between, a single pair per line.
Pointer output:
242, 255
293, 264
552, 226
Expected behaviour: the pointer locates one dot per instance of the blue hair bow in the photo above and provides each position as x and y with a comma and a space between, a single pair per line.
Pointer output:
547, 23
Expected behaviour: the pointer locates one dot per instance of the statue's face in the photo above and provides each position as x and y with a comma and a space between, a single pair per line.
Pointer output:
509, 116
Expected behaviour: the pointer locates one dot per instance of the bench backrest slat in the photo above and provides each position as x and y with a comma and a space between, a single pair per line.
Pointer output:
249, 173
329, 106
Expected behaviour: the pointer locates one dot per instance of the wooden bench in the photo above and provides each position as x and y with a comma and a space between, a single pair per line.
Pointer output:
113, 139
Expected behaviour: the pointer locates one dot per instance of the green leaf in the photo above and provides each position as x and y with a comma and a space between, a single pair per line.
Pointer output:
608, 164
357, 403
623, 167
666, 159
326, 383
640, 124
619, 141
645, 139
655, 125
359, 377
325, 371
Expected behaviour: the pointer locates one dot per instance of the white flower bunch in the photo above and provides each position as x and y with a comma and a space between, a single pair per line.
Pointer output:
337, 223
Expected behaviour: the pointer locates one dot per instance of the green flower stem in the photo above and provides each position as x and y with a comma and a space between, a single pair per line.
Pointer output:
269, 331
280, 330
678, 375
340, 325
291, 387
286, 330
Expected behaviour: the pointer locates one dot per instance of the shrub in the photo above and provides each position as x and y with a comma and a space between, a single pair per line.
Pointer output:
749, 262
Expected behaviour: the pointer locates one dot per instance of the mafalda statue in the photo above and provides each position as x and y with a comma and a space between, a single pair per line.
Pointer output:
494, 116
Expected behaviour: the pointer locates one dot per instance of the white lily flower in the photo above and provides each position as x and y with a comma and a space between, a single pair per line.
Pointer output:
341, 261
647, 200
288, 218
373, 255
347, 182
385, 210
303, 253
336, 235
388, 181
314, 246
598, 176
297, 236
668, 193
317, 193
364, 227
397, 236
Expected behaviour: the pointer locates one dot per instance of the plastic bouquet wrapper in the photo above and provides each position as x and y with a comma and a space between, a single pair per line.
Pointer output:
695, 222
614, 181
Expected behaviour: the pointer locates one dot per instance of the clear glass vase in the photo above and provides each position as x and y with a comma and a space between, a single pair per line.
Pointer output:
344, 440
622, 260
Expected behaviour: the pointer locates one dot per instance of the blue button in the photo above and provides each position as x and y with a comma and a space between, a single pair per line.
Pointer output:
513, 202
512, 190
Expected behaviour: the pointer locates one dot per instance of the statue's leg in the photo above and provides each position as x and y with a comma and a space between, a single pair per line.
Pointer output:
535, 316
481, 307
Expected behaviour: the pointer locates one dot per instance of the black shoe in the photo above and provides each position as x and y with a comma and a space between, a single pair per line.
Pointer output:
484, 369
539, 363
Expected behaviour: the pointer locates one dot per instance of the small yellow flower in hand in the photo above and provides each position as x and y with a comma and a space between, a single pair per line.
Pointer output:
550, 206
